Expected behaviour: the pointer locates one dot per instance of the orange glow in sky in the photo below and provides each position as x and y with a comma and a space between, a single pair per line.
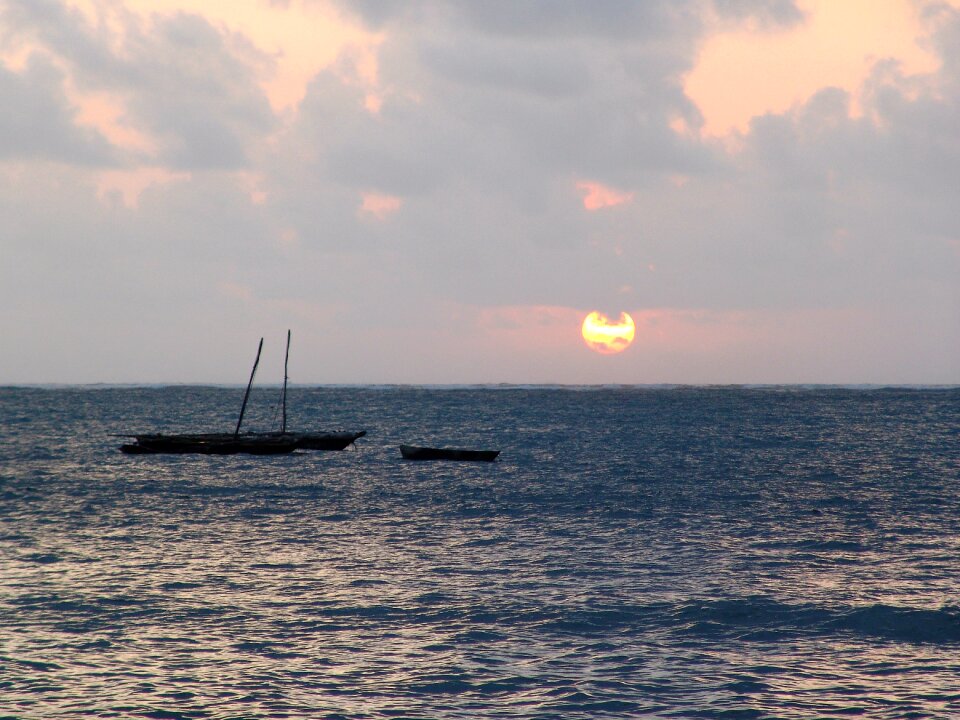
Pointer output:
106, 114
298, 40
301, 37
597, 196
743, 73
379, 206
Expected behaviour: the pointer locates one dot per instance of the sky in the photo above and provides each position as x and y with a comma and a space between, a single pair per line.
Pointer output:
440, 192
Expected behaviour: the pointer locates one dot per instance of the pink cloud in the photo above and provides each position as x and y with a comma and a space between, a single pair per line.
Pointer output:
597, 196
379, 206
837, 45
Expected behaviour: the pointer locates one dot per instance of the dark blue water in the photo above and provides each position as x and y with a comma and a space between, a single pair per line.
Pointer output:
660, 553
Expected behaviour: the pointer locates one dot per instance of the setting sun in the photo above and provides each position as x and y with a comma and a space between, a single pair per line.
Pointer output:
605, 336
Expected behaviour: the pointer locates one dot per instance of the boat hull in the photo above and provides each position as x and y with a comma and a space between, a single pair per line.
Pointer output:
413, 452
247, 443
209, 444
326, 440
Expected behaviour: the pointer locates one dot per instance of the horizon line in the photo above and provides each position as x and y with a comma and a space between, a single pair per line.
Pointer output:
488, 385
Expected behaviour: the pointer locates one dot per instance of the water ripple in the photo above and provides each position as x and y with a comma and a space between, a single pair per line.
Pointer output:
668, 553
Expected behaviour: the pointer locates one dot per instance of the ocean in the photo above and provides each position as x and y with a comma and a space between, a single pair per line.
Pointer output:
635, 552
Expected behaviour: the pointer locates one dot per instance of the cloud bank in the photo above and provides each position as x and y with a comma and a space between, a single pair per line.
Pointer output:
441, 192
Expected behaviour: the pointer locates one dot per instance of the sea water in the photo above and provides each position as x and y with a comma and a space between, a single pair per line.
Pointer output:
635, 552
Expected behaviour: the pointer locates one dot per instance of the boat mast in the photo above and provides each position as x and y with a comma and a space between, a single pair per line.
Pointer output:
286, 358
246, 395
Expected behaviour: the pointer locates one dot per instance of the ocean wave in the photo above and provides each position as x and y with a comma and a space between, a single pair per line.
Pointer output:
765, 618
645, 552
911, 625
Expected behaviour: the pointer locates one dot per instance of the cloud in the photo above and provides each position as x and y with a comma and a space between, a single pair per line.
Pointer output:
597, 196
379, 206
766, 14
776, 58
192, 89
529, 71
38, 122
821, 244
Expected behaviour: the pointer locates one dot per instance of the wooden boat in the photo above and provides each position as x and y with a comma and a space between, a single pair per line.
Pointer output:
324, 440
269, 443
251, 443
210, 444
413, 452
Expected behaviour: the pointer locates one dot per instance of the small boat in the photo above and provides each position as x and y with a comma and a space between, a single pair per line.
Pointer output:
258, 443
412, 452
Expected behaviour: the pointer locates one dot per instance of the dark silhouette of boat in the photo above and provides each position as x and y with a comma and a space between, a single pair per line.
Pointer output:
249, 443
210, 444
338, 440
269, 443
413, 452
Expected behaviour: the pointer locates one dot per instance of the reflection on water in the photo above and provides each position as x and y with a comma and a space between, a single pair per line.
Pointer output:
656, 553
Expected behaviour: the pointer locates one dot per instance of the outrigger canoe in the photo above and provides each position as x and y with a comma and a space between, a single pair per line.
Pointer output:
262, 443
210, 444
249, 443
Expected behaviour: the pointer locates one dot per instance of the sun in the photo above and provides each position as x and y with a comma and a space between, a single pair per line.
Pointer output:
605, 336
